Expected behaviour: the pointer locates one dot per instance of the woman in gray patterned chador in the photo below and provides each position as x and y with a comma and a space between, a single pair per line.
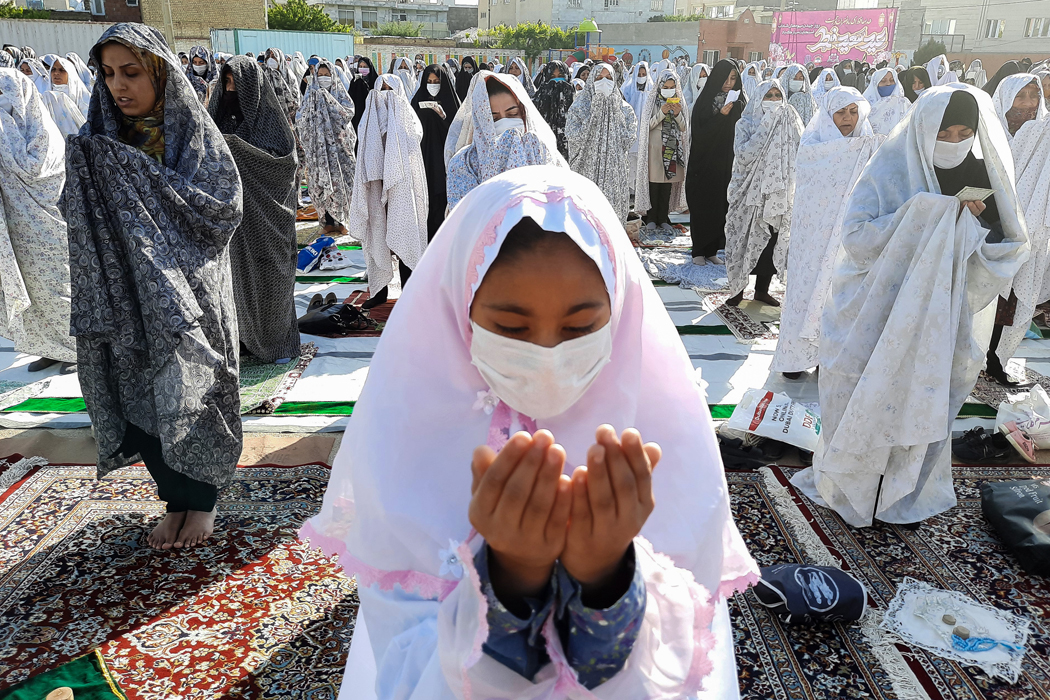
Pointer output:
152, 198
262, 251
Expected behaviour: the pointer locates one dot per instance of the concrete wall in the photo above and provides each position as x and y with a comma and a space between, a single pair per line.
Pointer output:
50, 36
190, 21
654, 41
460, 18
382, 52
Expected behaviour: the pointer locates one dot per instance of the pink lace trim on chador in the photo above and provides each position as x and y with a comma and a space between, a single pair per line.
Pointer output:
502, 420
466, 558
729, 588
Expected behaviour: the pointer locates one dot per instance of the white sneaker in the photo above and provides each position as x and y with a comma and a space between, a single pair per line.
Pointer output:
700, 261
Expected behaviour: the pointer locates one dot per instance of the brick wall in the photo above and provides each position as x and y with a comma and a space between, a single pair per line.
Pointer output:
192, 20
118, 11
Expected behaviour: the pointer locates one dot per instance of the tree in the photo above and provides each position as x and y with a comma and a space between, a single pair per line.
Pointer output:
400, 29
9, 11
931, 49
298, 15
532, 38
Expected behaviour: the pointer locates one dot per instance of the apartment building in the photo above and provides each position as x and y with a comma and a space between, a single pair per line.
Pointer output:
995, 31
368, 15
567, 14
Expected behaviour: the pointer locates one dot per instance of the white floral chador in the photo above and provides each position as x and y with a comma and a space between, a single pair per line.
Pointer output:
827, 166
600, 129
908, 322
886, 112
388, 209
763, 185
34, 252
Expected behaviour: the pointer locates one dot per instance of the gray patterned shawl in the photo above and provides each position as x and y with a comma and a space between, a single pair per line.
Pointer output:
153, 310
263, 249
329, 141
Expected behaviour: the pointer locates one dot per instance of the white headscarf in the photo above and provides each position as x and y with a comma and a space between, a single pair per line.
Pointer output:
822, 129
524, 78
634, 94
82, 70
935, 66
653, 102
299, 67
404, 70
74, 87
750, 82
388, 207
40, 78
396, 509
976, 72
886, 112
802, 100
1007, 90
820, 85
692, 87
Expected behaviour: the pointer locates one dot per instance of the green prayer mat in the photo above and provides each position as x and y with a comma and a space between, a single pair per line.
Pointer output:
88, 677
352, 246
329, 279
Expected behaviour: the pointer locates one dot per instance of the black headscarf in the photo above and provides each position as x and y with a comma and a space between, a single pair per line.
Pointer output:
713, 136
435, 130
360, 87
962, 110
1008, 68
908, 77
463, 78
814, 73
553, 100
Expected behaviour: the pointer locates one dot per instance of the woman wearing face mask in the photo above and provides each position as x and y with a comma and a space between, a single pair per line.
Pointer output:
901, 342
468, 68
751, 78
827, 79
436, 104
758, 224
600, 128
1019, 99
153, 308
915, 81
516, 67
635, 90
796, 86
663, 154
262, 250
361, 88
556, 341
388, 209
694, 84
325, 125
888, 103
975, 74
833, 151
497, 129
937, 69
403, 69
713, 128
34, 250
553, 99
202, 67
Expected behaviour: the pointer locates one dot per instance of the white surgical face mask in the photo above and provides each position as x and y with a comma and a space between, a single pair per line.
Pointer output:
324, 81
641, 80
60, 88
951, 155
363, 70
701, 83
796, 85
603, 86
434, 88
200, 70
536, 381
667, 93
507, 124
920, 91
770, 105
271, 62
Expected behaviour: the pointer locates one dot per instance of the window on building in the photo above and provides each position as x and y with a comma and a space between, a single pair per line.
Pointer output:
1037, 27
754, 56
484, 15
574, 4
346, 17
399, 16
939, 26
710, 58
98, 7
656, 5
133, 3
611, 3
720, 11
993, 28
369, 19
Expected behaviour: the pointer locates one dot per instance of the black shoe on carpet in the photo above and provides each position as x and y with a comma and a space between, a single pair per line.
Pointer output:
41, 364
910, 526
330, 299
68, 368
806, 457
791, 375
977, 446
316, 302
374, 301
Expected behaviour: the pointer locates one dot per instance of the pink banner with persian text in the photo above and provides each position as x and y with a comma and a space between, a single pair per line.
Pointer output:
827, 37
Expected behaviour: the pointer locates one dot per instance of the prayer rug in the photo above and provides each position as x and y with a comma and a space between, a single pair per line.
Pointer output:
380, 314
306, 213
254, 613
959, 551
88, 677
990, 392
798, 662
676, 267
13, 393
306, 232
751, 321
264, 385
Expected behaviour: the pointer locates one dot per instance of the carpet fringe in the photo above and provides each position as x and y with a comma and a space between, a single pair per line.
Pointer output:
14, 473
815, 550
905, 685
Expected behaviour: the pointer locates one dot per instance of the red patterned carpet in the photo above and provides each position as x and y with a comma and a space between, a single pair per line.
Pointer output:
254, 614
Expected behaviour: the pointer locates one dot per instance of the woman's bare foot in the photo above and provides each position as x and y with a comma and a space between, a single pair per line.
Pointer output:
767, 299
199, 526
164, 535
735, 301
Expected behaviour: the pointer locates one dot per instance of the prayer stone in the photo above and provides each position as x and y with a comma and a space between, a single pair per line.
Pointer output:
961, 632
948, 620
63, 693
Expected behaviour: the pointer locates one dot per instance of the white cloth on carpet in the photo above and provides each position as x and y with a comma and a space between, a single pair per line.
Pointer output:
827, 166
396, 508
763, 184
388, 206
908, 322
886, 112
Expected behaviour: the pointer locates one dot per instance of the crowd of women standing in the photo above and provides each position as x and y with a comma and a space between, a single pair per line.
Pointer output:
148, 242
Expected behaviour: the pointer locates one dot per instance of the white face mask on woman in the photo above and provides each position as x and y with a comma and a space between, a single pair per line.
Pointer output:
667, 93
271, 62
603, 86
363, 70
796, 85
200, 70
507, 124
433, 89
60, 88
701, 83
947, 155
324, 81
537, 381
641, 80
